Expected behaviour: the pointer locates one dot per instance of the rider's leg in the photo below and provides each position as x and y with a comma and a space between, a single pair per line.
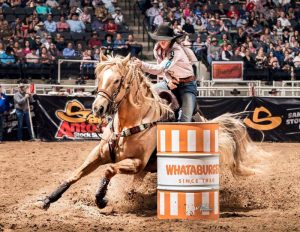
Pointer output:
187, 94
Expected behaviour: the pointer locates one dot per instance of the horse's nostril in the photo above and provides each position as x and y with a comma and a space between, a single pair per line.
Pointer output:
101, 110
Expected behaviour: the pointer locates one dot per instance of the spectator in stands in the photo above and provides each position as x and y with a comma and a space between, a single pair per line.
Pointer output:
32, 62
108, 44
118, 17
199, 28
111, 27
249, 62
49, 24
54, 51
296, 61
7, 60
133, 47
96, 53
61, 44
227, 53
260, 59
75, 24
284, 21
94, 41
237, 56
26, 48
85, 16
79, 50
5, 31
62, 25
4, 107
98, 24
41, 8
275, 64
47, 42
177, 28
1, 48
53, 4
232, 11
241, 36
18, 51
213, 51
188, 27
285, 36
120, 46
221, 11
213, 28
47, 63
86, 69
159, 19
69, 50
151, 13
21, 106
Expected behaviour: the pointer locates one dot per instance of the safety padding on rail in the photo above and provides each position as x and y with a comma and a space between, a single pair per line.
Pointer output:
188, 205
187, 137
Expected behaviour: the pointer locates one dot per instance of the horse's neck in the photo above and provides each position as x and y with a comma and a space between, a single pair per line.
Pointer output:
136, 110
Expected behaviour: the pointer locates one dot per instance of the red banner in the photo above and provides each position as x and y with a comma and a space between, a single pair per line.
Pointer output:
227, 71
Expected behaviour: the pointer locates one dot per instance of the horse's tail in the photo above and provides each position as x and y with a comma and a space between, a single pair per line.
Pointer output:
234, 143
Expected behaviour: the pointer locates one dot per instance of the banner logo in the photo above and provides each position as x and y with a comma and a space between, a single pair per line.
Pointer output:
263, 123
77, 122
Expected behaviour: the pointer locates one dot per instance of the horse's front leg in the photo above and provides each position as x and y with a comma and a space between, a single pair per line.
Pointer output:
93, 161
126, 166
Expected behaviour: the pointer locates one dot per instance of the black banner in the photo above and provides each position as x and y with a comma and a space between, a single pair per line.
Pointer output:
69, 118
270, 119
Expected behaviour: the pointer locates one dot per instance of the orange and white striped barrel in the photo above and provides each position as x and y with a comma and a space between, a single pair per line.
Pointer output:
188, 171
188, 137
188, 205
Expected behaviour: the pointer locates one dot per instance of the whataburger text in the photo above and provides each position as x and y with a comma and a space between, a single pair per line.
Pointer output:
210, 169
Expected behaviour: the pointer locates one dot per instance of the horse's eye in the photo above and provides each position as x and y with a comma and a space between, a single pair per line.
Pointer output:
116, 81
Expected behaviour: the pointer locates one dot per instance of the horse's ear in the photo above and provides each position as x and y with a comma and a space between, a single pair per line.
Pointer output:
126, 59
102, 57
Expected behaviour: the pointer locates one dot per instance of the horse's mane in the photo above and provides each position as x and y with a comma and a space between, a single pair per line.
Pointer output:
140, 79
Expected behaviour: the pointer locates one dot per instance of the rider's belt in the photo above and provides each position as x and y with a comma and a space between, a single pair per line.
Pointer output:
187, 79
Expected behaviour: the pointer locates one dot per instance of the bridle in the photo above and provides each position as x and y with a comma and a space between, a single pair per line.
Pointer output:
113, 106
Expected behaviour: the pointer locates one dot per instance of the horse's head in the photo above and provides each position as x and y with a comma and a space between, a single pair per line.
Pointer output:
112, 84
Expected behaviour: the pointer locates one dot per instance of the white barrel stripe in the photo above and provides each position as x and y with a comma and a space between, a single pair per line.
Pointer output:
173, 203
216, 140
190, 205
205, 203
216, 202
161, 203
191, 139
206, 140
175, 141
162, 140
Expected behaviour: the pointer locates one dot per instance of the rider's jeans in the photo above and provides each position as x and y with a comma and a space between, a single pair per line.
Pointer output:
186, 94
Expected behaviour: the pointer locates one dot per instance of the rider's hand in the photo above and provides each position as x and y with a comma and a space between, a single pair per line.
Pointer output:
27, 95
137, 63
172, 85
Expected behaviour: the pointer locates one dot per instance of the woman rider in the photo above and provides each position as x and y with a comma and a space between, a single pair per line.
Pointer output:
174, 64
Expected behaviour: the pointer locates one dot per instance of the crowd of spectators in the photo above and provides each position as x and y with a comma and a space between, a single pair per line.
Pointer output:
34, 34
262, 33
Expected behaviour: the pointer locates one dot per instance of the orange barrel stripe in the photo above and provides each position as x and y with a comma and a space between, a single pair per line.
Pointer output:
187, 137
188, 205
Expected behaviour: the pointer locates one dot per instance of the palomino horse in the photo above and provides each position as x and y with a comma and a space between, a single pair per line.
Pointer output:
129, 140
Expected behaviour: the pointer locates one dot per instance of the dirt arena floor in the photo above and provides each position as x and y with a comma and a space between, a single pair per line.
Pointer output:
268, 201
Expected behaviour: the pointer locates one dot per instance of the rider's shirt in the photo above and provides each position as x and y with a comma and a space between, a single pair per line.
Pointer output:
176, 63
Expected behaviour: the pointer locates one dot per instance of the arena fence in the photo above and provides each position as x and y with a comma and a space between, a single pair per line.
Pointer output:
267, 118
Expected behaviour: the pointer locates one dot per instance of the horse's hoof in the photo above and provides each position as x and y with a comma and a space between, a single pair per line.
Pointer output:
46, 203
101, 203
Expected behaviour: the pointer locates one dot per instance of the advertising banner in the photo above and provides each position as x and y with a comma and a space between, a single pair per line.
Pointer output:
227, 71
67, 118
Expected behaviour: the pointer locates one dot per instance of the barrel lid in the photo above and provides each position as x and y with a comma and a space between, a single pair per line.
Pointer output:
187, 154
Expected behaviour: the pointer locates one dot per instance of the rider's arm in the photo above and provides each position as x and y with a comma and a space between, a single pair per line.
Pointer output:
161, 68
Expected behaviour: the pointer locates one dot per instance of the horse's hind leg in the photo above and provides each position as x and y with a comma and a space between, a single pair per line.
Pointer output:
92, 162
126, 166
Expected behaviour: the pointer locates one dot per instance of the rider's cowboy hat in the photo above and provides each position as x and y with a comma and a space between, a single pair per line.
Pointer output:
164, 32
